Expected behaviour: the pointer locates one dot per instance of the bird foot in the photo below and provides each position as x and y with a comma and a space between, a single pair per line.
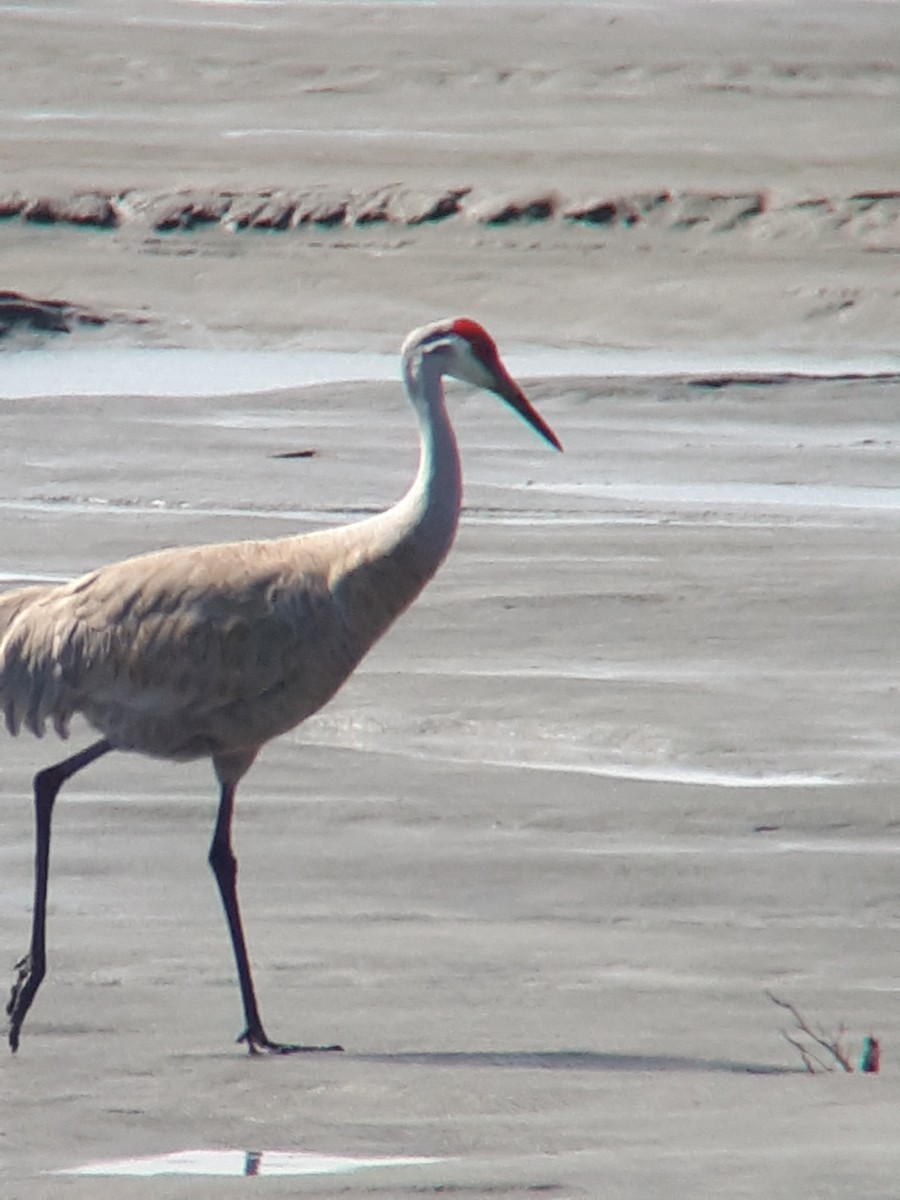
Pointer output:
20, 997
258, 1043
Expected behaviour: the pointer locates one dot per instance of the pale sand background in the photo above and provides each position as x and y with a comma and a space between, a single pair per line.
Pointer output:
511, 867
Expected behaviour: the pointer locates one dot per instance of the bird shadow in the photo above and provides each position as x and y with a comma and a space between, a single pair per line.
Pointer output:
574, 1060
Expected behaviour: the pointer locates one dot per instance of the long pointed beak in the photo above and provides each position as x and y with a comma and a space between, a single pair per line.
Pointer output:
507, 389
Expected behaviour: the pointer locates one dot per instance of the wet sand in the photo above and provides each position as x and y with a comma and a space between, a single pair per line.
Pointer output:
631, 758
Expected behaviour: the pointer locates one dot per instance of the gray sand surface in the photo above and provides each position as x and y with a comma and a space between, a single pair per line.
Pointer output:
631, 759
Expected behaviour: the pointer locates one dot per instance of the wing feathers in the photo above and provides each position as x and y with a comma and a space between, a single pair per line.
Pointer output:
182, 632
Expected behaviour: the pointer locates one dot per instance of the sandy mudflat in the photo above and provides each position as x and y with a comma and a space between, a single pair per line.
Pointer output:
632, 757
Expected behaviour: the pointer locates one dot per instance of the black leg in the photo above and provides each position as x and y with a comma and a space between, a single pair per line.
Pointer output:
224, 865
32, 968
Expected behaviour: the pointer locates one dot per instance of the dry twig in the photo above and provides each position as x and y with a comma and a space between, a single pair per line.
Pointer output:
832, 1044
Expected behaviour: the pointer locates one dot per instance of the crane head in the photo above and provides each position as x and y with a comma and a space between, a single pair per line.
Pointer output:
469, 353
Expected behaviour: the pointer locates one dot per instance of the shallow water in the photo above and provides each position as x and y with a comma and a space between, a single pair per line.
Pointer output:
241, 1163
180, 372
741, 495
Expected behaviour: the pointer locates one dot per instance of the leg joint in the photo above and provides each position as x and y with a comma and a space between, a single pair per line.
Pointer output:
221, 858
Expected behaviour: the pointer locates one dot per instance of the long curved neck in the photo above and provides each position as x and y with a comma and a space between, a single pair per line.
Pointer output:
390, 557
435, 498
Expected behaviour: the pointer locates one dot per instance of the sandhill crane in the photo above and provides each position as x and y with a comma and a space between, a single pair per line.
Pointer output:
211, 651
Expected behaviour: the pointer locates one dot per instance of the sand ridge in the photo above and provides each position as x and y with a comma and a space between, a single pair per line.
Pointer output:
872, 217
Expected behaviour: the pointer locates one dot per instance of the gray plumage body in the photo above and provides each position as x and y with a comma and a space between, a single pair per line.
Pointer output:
206, 651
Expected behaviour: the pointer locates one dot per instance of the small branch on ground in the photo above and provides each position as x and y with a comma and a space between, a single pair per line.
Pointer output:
808, 1042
